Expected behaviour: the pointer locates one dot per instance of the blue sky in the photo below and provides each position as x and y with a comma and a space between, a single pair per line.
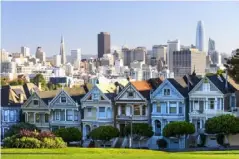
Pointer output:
35, 24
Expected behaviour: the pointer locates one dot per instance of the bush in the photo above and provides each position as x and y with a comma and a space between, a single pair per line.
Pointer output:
33, 139
69, 134
162, 143
15, 129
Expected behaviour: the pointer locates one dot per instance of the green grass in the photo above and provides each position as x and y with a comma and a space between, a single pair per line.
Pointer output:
97, 153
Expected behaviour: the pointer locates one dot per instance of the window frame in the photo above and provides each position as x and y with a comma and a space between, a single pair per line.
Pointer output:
69, 115
89, 112
63, 100
35, 100
130, 94
166, 92
172, 106
135, 106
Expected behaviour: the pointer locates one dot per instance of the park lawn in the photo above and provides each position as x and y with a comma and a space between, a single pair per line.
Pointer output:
98, 153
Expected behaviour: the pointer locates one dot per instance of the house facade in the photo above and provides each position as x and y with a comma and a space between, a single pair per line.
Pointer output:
97, 107
132, 105
212, 96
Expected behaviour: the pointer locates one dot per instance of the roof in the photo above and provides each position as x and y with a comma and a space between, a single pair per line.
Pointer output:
155, 82
180, 85
220, 82
141, 85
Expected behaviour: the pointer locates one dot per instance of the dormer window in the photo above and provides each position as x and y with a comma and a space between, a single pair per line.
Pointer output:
35, 102
63, 99
166, 92
130, 94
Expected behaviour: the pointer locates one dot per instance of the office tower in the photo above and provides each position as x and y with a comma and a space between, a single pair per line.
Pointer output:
62, 51
25, 51
40, 54
186, 60
160, 52
76, 57
137, 54
211, 45
172, 46
103, 44
200, 36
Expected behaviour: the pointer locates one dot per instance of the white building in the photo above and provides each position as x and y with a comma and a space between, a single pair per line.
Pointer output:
172, 46
40, 54
8, 67
25, 51
76, 57
69, 69
160, 52
4, 55
57, 60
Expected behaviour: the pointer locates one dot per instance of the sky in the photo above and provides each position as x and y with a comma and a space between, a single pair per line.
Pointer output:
34, 24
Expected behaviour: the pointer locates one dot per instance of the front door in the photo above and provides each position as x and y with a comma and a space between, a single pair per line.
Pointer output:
122, 130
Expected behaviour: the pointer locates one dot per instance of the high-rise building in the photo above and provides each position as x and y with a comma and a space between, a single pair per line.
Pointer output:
211, 45
160, 52
200, 36
25, 51
137, 54
172, 46
186, 60
76, 57
57, 60
4, 56
103, 44
40, 54
62, 51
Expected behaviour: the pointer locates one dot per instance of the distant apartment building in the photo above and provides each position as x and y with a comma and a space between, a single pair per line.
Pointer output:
160, 52
172, 46
76, 57
8, 67
40, 54
25, 51
4, 55
186, 60
103, 44
57, 60
137, 54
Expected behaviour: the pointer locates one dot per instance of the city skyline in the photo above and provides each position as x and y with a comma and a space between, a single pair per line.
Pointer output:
80, 22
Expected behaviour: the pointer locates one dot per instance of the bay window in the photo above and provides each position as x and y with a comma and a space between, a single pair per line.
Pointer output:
136, 110
69, 115
211, 102
102, 112
172, 107
75, 115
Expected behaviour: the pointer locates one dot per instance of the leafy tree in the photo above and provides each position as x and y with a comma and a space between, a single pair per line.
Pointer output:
178, 129
233, 66
139, 130
69, 134
104, 133
15, 129
220, 72
39, 78
223, 124
4, 82
13, 83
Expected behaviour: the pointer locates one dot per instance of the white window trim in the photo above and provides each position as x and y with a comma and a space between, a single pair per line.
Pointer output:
89, 113
174, 106
7, 114
61, 100
57, 113
164, 90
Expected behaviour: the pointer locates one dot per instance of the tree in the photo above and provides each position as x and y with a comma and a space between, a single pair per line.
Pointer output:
104, 133
4, 82
139, 130
69, 134
233, 66
178, 129
39, 78
15, 129
223, 124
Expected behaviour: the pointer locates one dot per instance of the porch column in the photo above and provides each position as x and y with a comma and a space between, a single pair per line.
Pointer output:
222, 104
26, 117
73, 110
168, 107
34, 115
177, 107
141, 109
200, 123
65, 114
119, 109
193, 105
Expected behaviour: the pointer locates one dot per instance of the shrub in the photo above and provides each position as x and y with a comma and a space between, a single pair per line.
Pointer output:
15, 129
162, 143
45, 134
69, 134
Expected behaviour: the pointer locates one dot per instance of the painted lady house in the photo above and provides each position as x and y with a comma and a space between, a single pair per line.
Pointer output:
211, 97
170, 103
51, 110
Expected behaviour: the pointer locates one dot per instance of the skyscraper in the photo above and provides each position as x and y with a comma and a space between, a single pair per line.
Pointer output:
211, 45
200, 36
25, 51
172, 46
103, 44
40, 54
62, 51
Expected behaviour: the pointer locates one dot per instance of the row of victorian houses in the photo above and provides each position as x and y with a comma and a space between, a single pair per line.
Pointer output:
156, 102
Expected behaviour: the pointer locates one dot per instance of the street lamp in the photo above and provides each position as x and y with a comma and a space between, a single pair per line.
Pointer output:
131, 132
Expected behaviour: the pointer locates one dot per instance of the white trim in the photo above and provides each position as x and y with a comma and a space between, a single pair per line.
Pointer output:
58, 96
34, 95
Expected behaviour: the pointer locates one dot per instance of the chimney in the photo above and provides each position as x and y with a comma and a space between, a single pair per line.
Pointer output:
39, 86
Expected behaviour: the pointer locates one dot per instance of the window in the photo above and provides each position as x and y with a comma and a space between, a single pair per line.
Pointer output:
180, 108
89, 113
136, 110
144, 110
211, 102
130, 94
76, 115
46, 118
123, 110
172, 107
12, 115
62, 115
206, 87
166, 92
35, 102
63, 99
69, 115
37, 116
158, 110
102, 112
5, 118
30, 117
95, 96
57, 115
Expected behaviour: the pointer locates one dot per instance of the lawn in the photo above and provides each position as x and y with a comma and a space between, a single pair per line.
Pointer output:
97, 153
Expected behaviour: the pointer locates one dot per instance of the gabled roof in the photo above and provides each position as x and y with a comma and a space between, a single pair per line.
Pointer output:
220, 82
143, 87
155, 82
180, 85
